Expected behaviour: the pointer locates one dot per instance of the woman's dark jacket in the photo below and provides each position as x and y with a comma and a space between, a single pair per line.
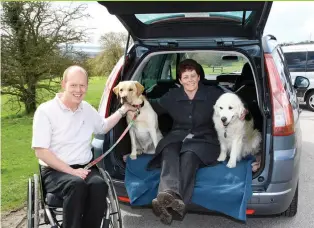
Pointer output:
189, 116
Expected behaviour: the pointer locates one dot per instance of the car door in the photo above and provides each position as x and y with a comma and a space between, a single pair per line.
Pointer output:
310, 68
296, 62
292, 95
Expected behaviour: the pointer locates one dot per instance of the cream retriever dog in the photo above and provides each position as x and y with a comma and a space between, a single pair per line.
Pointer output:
237, 137
144, 133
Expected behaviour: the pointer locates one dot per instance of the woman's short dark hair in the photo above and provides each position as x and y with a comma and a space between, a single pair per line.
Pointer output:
188, 64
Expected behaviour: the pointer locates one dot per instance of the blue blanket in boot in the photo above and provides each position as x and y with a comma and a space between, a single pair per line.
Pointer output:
217, 188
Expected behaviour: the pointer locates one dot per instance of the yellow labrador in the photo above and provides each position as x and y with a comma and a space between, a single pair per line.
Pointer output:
144, 133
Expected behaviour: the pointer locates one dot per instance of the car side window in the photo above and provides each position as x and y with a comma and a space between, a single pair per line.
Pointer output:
283, 72
310, 62
286, 68
169, 68
296, 61
152, 71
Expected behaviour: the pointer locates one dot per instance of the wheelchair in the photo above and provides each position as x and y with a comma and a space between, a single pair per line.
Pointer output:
46, 208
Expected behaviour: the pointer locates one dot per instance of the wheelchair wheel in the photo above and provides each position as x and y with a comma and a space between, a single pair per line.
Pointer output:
113, 217
33, 202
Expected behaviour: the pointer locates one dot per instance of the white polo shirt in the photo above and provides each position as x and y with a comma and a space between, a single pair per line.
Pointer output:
65, 133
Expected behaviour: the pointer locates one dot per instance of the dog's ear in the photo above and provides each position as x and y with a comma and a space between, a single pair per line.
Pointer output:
215, 109
240, 110
139, 88
116, 90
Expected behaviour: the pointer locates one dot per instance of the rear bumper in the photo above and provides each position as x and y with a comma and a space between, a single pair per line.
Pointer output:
278, 195
262, 203
272, 203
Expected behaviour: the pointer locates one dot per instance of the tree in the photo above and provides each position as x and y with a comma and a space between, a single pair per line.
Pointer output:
32, 36
113, 45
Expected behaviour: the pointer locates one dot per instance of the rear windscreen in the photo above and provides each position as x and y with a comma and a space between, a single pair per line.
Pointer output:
152, 18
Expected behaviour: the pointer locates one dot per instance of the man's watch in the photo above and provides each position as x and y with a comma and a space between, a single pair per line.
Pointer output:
123, 114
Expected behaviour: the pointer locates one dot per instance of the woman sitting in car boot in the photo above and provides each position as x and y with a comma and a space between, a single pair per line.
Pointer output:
191, 144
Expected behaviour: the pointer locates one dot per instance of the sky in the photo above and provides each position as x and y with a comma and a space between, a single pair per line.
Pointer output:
288, 21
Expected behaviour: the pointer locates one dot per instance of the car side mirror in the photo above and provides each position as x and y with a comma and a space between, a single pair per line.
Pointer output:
301, 82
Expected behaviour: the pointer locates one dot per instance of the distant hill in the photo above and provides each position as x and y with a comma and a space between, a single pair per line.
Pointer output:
91, 50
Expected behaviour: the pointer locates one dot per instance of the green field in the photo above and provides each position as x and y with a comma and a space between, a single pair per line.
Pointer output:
18, 159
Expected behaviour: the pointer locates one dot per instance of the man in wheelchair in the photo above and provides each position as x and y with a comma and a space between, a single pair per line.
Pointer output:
62, 131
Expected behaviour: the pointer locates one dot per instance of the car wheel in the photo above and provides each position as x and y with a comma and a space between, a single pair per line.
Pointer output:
293, 208
310, 101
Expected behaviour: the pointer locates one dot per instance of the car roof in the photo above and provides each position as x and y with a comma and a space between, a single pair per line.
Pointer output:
298, 48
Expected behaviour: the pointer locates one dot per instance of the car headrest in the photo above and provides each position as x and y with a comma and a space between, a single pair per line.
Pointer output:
246, 72
210, 82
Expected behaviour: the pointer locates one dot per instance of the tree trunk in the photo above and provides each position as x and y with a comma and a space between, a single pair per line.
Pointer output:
30, 107
30, 100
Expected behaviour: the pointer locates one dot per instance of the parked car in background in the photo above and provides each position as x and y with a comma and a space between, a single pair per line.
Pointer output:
300, 61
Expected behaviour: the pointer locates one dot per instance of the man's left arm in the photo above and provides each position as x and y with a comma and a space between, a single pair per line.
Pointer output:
104, 125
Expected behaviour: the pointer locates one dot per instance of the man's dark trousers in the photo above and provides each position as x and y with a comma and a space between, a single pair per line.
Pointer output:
84, 201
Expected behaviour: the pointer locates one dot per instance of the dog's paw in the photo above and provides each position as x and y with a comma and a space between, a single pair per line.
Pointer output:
125, 157
221, 157
133, 156
139, 151
255, 166
231, 164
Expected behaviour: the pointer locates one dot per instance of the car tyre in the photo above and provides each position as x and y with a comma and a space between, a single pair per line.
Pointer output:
293, 208
310, 101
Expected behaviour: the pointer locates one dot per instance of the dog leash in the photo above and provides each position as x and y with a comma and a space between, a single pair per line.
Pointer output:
89, 165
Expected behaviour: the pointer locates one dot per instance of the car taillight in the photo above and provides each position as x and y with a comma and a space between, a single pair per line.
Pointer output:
281, 108
112, 79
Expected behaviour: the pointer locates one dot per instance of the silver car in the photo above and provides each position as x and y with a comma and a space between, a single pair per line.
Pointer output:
300, 61
228, 41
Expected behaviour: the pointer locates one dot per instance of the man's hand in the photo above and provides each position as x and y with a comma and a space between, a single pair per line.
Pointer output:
82, 173
242, 117
127, 107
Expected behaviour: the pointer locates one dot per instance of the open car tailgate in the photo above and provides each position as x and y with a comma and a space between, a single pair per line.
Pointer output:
154, 20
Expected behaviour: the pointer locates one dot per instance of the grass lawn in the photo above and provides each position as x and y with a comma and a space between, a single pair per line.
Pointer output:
18, 161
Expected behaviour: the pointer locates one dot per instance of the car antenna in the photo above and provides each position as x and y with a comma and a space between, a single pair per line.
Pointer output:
125, 53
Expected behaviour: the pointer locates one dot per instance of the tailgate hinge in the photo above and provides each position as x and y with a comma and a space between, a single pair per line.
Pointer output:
171, 44
225, 43
266, 111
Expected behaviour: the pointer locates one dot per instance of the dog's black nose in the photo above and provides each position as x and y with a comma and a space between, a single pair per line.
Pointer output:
223, 119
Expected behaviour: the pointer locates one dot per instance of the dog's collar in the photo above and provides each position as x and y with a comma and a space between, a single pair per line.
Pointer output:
139, 105
225, 133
